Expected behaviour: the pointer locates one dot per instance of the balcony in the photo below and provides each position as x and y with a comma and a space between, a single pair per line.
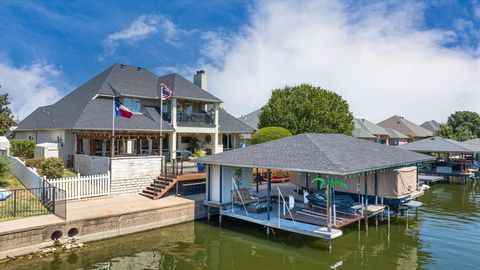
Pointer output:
185, 119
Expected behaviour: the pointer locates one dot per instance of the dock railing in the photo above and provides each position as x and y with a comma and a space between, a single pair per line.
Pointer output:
280, 196
234, 184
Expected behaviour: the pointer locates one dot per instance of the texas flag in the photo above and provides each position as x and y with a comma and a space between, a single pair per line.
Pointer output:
121, 110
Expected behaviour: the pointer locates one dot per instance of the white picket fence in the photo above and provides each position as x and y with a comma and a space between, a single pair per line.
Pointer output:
86, 186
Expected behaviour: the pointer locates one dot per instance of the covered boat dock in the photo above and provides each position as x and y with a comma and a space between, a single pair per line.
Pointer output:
325, 168
453, 158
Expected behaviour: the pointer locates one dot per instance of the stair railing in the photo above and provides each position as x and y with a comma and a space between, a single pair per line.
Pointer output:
280, 196
234, 184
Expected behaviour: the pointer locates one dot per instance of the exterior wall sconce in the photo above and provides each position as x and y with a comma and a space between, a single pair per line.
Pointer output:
60, 141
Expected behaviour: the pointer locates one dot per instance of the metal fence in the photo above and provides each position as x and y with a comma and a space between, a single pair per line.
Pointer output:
39, 197
31, 202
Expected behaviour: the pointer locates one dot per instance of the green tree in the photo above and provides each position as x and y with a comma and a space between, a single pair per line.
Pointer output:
22, 148
461, 126
306, 108
6, 116
269, 134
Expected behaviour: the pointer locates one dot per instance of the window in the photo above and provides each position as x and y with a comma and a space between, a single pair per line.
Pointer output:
132, 104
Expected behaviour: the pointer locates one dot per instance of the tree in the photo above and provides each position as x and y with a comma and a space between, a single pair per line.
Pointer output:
6, 116
269, 134
461, 126
22, 148
306, 108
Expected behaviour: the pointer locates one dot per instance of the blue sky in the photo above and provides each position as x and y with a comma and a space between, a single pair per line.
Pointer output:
48, 48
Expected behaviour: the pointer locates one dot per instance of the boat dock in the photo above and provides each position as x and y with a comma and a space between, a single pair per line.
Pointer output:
430, 179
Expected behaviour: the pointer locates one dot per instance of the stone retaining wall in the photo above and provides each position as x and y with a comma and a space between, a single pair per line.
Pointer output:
133, 174
25, 241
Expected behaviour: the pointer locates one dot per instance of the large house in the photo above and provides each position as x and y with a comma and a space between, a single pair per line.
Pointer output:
406, 127
367, 130
81, 122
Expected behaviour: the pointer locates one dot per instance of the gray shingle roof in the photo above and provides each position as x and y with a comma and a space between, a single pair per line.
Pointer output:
369, 127
395, 134
406, 127
84, 109
431, 125
228, 123
251, 119
362, 133
440, 145
334, 154
475, 142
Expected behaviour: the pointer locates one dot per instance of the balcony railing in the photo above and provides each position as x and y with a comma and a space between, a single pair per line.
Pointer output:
194, 119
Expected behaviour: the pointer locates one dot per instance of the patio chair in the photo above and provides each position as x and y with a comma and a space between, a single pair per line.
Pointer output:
245, 193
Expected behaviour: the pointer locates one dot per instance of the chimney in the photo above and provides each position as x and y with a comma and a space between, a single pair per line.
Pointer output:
200, 79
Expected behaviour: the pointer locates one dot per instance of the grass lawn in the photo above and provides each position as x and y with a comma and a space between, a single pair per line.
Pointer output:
26, 205
69, 173
9, 181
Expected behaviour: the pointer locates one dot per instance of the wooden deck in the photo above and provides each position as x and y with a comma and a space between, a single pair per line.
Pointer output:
317, 216
191, 177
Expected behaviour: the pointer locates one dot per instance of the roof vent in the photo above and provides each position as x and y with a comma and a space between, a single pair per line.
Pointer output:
139, 69
122, 66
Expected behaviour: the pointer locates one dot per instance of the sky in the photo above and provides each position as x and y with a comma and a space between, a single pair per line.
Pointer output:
417, 59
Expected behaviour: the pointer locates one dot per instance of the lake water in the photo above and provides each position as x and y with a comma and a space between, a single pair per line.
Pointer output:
446, 235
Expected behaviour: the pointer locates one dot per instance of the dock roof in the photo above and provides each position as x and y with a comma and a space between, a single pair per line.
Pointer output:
334, 154
440, 145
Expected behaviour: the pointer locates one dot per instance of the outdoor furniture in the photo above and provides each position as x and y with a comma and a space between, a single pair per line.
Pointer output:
257, 208
245, 197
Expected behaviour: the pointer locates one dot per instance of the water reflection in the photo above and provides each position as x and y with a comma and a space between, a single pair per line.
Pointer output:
433, 241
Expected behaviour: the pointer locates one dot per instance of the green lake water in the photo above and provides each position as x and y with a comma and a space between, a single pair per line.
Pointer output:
446, 235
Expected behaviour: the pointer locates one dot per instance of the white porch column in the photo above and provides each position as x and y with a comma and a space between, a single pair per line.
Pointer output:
173, 145
216, 146
174, 113
216, 115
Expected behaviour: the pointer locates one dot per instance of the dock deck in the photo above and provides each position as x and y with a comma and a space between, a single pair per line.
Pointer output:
281, 223
430, 179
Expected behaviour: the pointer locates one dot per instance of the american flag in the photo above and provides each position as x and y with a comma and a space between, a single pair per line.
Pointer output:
166, 91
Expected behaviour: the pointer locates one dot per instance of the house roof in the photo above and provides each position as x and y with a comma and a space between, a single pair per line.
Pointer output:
475, 141
334, 154
251, 119
229, 124
440, 145
406, 127
362, 133
369, 127
395, 134
89, 106
431, 125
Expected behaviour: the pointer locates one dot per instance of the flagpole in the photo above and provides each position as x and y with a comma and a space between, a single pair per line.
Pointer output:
161, 127
112, 148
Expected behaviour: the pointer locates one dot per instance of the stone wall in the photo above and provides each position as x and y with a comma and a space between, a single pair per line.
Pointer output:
24, 241
133, 174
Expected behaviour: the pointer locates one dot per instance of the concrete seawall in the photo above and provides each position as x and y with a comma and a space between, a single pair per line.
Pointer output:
94, 220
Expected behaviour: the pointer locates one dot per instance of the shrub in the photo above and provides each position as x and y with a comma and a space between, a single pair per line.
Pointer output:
22, 148
53, 167
4, 165
36, 163
269, 134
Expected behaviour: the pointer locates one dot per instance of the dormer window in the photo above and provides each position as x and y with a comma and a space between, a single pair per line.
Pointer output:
132, 104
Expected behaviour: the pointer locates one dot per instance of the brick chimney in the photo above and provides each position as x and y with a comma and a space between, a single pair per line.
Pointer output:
200, 79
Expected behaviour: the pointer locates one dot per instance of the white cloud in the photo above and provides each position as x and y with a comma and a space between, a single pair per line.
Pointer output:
141, 28
379, 58
29, 87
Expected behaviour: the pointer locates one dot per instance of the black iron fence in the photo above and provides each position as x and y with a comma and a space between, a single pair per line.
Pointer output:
194, 119
34, 201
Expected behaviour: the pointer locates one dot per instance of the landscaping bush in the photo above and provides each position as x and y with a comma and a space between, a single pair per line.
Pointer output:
4, 165
269, 134
53, 167
36, 163
22, 148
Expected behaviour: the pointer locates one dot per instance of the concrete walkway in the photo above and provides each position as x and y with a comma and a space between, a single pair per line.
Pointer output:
98, 207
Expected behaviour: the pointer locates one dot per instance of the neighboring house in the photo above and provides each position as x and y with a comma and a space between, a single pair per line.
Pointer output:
366, 129
4, 146
396, 137
251, 120
406, 127
431, 125
81, 122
